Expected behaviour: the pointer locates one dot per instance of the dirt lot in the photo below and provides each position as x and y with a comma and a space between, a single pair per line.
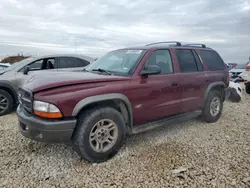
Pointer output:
211, 155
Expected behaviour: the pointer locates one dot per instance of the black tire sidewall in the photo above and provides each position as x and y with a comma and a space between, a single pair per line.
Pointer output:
84, 128
9, 102
208, 117
248, 88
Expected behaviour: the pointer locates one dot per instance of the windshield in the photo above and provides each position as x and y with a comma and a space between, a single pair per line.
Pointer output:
240, 66
119, 61
2, 67
19, 64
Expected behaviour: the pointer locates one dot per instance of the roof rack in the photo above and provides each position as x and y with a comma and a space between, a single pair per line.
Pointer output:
195, 44
177, 43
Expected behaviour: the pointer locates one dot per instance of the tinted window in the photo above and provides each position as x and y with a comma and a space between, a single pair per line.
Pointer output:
66, 62
212, 60
80, 62
186, 61
198, 61
161, 58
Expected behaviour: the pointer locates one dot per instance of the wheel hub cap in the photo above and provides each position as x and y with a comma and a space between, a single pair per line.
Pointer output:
3, 103
103, 135
215, 106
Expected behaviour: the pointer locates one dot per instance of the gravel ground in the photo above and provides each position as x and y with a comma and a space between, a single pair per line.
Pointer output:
190, 154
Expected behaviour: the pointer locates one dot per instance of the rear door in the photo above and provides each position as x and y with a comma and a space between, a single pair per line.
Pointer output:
193, 80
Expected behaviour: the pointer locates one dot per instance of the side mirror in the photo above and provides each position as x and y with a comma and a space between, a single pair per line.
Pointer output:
26, 70
151, 69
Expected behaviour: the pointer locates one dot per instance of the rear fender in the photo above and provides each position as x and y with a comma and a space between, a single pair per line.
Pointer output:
214, 85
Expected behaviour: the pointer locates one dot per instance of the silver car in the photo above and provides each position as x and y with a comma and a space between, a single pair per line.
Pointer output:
13, 77
4, 66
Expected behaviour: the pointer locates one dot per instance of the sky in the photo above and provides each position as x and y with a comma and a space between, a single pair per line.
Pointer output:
95, 27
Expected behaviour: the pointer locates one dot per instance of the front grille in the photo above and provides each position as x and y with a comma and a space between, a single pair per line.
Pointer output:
25, 99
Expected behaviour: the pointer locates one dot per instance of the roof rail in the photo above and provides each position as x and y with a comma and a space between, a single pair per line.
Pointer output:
195, 44
177, 43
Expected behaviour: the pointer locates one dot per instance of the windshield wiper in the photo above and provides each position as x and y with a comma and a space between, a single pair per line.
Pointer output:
102, 70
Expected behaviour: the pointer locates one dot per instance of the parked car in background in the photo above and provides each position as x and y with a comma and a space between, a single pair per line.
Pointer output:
127, 91
232, 65
246, 77
236, 72
4, 66
12, 77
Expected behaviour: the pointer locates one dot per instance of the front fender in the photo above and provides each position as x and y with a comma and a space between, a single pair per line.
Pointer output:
100, 98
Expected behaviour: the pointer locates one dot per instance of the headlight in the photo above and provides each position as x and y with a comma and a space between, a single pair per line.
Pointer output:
47, 110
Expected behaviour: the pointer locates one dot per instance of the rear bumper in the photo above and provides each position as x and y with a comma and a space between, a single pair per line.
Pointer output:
55, 131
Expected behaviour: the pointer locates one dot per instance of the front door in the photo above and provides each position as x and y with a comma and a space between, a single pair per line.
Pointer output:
157, 96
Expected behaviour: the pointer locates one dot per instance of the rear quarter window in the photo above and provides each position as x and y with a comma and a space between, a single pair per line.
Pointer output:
213, 61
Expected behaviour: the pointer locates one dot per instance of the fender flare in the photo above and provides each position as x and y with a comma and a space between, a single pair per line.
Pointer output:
8, 85
99, 98
211, 86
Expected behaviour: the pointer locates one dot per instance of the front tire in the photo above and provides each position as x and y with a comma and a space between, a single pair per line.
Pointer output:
6, 103
213, 106
99, 134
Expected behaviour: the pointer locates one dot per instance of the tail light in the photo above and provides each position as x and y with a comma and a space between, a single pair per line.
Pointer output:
248, 65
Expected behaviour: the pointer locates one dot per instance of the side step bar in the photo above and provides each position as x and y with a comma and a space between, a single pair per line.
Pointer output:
169, 120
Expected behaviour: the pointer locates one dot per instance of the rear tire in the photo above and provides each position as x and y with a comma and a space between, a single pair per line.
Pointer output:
99, 134
248, 88
6, 103
213, 107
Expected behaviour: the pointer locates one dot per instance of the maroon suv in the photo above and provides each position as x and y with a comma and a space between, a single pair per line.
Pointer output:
124, 92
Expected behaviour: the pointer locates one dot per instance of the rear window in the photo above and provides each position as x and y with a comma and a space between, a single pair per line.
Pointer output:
212, 60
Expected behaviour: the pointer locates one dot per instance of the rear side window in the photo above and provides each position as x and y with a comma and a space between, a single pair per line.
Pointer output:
66, 62
186, 61
212, 60
198, 61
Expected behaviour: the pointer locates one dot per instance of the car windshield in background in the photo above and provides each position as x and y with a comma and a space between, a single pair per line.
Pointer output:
119, 61
19, 64
240, 66
3, 67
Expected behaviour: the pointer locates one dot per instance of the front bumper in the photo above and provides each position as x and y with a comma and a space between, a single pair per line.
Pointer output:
55, 131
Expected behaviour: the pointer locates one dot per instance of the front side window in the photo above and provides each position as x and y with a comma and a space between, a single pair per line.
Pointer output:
161, 58
119, 61
37, 65
186, 61
50, 63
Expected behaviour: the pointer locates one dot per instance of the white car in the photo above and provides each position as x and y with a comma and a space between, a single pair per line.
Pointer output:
234, 92
4, 66
237, 71
246, 77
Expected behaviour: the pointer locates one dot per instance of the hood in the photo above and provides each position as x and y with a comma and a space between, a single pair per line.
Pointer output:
57, 79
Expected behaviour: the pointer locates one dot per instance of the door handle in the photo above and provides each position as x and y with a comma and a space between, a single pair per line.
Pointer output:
174, 84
